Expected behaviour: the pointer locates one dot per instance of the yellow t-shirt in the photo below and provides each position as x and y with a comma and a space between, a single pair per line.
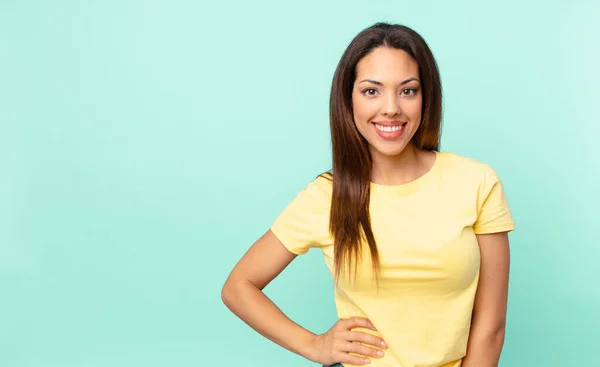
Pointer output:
429, 255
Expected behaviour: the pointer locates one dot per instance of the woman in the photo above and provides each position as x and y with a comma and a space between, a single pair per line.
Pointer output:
416, 239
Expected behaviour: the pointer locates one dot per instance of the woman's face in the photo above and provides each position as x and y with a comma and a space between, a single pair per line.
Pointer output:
387, 100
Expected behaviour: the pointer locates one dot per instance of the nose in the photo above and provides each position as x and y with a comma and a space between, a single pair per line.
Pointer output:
391, 105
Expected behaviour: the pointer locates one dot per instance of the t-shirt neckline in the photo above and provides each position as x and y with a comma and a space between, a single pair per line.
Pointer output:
411, 186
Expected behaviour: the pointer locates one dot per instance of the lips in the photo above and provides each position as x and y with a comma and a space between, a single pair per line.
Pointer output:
389, 123
390, 130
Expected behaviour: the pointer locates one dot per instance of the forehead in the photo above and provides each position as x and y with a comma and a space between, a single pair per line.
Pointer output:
385, 63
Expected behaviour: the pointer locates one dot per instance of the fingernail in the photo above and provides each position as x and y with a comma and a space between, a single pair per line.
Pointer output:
383, 344
379, 353
367, 361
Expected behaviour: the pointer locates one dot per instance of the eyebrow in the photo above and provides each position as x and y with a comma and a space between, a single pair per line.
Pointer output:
380, 83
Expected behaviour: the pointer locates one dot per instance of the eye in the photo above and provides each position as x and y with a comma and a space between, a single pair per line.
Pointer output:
409, 92
369, 92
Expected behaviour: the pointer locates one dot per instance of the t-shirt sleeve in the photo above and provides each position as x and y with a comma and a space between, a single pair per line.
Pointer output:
493, 211
304, 222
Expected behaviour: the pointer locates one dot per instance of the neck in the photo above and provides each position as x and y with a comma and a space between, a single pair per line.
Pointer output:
400, 169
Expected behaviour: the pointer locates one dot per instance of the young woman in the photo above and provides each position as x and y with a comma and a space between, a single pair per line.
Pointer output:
416, 239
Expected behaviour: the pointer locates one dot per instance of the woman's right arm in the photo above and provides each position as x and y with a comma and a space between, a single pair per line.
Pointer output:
242, 294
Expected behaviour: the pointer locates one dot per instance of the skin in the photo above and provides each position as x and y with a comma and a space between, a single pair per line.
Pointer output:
242, 294
392, 93
387, 90
489, 312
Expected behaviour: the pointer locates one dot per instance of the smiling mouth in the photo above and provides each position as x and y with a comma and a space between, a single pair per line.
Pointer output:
392, 131
389, 128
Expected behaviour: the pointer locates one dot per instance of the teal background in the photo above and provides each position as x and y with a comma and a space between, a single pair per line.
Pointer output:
145, 145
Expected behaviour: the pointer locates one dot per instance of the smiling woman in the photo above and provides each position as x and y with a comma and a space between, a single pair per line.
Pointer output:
416, 239
387, 103
383, 96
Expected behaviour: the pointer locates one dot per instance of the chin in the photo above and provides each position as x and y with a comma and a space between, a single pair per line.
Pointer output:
389, 150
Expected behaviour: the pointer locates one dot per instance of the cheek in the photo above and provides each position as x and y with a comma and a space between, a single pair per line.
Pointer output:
362, 110
413, 110
361, 117
356, 107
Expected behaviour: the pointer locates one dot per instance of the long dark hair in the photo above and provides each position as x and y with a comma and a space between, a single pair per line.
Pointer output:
351, 174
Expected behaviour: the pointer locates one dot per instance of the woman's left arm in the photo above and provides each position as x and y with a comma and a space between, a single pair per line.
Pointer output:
489, 311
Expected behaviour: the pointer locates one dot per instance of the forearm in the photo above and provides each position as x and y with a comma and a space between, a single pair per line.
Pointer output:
484, 347
253, 307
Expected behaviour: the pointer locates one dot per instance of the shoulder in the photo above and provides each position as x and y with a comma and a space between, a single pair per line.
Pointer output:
468, 174
323, 184
465, 166
316, 193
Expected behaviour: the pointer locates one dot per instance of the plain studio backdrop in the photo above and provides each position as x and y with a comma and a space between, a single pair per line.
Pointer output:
145, 145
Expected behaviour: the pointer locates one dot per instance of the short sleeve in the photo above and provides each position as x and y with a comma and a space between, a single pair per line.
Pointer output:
304, 222
493, 211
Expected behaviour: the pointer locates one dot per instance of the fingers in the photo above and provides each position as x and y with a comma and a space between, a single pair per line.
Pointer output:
357, 336
363, 350
348, 343
360, 354
358, 361
358, 322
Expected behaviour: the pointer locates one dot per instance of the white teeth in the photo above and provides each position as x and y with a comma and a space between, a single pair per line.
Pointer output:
389, 129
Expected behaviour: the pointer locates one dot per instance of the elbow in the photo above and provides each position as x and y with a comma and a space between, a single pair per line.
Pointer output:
489, 334
227, 293
498, 331
499, 335
494, 336
232, 291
